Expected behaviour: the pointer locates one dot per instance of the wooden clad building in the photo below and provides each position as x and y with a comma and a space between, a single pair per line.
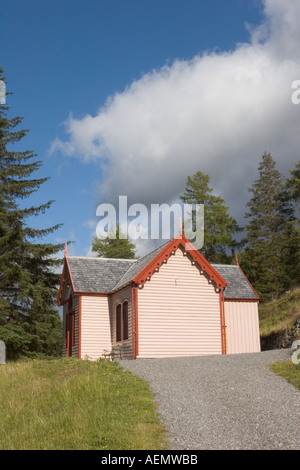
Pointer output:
172, 302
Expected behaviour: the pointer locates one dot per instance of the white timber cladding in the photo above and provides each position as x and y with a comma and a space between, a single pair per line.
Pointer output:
178, 312
242, 327
95, 326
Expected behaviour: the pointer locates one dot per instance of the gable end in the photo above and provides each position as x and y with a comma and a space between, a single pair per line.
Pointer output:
170, 248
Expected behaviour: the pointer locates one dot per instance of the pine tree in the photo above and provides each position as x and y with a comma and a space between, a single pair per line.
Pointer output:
29, 321
219, 227
112, 247
293, 189
293, 183
270, 234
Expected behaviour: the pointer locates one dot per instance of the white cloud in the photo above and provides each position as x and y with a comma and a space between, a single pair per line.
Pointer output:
216, 113
90, 223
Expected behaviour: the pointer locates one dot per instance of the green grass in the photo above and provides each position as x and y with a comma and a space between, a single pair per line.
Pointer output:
73, 404
280, 313
288, 370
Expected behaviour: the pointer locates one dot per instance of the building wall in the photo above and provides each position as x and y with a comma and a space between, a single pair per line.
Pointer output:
178, 312
64, 345
75, 348
118, 298
242, 327
95, 326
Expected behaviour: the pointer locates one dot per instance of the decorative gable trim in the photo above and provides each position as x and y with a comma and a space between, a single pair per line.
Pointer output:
166, 252
66, 270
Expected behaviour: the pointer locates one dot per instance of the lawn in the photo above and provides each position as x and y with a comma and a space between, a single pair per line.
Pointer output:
71, 404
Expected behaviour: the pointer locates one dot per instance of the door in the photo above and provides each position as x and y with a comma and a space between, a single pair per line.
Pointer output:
70, 328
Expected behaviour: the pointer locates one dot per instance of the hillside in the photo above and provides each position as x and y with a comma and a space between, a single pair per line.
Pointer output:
279, 320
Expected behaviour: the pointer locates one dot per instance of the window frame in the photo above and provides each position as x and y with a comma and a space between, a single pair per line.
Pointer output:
125, 332
118, 322
122, 321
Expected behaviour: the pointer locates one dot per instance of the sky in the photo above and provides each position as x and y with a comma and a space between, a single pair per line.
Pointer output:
130, 97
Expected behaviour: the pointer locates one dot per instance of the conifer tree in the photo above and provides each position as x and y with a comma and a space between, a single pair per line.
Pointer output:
271, 236
114, 246
219, 227
293, 183
29, 322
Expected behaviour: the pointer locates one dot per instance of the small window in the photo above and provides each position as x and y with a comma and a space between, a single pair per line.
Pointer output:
125, 320
119, 322
122, 321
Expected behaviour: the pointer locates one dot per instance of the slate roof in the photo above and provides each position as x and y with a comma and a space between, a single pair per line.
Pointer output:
238, 285
138, 266
97, 275
104, 275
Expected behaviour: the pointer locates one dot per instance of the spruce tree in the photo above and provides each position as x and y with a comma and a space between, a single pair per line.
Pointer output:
293, 188
29, 321
293, 183
220, 228
114, 247
271, 237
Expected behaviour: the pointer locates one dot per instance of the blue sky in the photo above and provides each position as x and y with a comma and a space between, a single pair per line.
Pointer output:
99, 84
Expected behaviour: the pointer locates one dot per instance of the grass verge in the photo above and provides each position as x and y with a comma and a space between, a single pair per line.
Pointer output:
288, 370
71, 404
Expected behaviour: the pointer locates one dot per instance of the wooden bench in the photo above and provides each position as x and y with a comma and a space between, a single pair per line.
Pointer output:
116, 351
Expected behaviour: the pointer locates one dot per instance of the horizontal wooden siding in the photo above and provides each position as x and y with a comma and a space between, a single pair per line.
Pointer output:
178, 312
95, 326
242, 327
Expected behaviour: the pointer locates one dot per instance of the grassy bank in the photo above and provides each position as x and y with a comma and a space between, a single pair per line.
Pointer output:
280, 313
73, 404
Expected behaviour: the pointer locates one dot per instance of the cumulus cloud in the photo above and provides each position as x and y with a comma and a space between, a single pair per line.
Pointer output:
216, 113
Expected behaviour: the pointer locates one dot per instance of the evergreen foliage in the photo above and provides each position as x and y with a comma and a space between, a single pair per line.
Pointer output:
293, 183
271, 258
29, 322
113, 246
219, 227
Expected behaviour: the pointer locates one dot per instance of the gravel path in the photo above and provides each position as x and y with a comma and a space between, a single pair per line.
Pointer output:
224, 402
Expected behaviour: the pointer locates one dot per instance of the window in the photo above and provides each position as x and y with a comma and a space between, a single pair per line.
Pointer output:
125, 320
70, 327
119, 323
122, 321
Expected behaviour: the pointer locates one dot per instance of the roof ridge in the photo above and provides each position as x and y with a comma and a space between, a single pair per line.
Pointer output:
106, 259
227, 265
119, 280
119, 259
139, 260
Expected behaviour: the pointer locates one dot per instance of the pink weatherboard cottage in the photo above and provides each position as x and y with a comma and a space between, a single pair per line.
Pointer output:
170, 303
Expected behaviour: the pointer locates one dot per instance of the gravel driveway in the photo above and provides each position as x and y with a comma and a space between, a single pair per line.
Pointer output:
223, 402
